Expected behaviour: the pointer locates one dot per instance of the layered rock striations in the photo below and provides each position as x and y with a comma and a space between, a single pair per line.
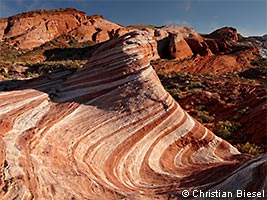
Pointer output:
111, 131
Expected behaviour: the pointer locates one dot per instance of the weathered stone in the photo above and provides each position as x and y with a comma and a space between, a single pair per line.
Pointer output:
179, 49
3, 26
227, 33
199, 46
32, 29
111, 131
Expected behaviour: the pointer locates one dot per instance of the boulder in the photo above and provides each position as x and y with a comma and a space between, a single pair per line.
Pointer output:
100, 36
3, 25
199, 46
160, 34
84, 32
179, 49
228, 33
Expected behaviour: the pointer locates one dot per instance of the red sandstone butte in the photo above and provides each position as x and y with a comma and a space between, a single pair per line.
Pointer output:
32, 29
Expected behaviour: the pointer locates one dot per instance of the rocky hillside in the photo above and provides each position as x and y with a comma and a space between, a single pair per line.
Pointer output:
111, 131
34, 33
32, 29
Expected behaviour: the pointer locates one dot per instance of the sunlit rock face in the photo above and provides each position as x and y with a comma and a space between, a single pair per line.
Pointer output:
227, 33
32, 29
111, 131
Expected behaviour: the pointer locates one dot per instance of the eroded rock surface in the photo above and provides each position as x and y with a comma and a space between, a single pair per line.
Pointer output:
179, 49
32, 29
218, 52
227, 33
111, 131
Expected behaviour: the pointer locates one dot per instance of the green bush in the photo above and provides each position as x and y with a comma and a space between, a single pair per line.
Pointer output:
175, 93
225, 129
245, 111
249, 148
5, 74
203, 116
195, 85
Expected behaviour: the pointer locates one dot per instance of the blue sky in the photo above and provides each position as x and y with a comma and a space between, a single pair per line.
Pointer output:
248, 16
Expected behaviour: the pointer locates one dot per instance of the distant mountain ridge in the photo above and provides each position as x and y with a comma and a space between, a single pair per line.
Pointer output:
32, 29
224, 48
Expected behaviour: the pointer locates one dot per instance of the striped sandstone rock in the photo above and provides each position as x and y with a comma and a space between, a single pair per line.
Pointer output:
111, 131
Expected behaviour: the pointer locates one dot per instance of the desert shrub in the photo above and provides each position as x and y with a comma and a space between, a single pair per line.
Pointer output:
175, 93
249, 148
203, 116
245, 111
5, 74
29, 74
195, 85
225, 129
232, 98
141, 26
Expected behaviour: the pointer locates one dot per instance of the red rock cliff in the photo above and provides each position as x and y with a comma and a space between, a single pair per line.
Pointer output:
32, 29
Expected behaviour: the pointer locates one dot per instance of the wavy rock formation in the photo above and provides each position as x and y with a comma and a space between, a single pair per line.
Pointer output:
111, 131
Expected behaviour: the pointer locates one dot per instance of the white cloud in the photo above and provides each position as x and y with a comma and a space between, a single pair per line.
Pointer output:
249, 32
177, 22
188, 6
